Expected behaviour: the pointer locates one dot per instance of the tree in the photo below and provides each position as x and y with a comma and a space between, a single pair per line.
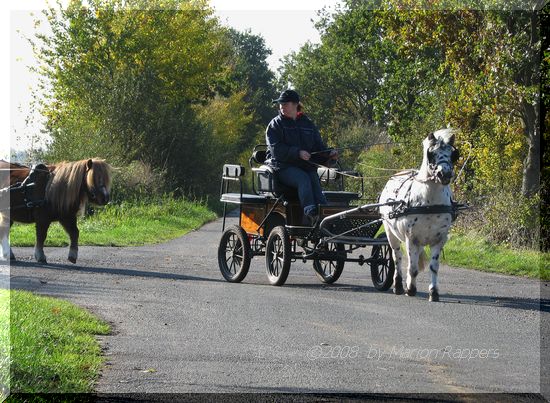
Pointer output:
357, 78
129, 80
251, 73
340, 77
492, 57
407, 71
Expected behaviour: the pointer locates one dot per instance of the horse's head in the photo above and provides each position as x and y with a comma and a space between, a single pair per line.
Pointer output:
98, 181
440, 155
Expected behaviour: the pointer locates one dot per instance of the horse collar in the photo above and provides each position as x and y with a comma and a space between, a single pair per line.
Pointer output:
405, 207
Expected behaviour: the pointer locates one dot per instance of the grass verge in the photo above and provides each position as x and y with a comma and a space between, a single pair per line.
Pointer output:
474, 252
53, 344
127, 224
4, 343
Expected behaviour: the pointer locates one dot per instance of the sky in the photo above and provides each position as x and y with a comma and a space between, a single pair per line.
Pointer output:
285, 25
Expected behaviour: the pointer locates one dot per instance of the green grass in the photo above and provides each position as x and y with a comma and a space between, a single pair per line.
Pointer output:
4, 343
474, 252
53, 344
127, 224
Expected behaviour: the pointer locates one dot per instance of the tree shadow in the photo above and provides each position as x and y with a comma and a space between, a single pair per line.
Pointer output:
336, 287
527, 304
118, 271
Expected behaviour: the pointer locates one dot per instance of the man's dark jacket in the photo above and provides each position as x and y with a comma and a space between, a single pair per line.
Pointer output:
285, 138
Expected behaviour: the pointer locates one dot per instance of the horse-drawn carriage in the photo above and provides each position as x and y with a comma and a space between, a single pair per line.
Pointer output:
271, 224
416, 207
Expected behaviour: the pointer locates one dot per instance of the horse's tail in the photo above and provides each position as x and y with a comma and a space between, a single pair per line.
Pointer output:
423, 260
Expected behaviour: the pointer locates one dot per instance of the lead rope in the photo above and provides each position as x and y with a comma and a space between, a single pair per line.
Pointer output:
465, 162
338, 172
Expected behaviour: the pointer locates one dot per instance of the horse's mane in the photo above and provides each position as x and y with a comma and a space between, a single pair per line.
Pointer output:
64, 190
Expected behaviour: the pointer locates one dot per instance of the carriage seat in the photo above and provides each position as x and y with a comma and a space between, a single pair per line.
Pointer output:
245, 198
266, 182
234, 173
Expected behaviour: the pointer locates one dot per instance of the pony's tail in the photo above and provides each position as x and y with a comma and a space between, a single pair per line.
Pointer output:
423, 260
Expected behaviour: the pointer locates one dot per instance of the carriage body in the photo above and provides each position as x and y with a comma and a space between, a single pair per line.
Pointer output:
271, 224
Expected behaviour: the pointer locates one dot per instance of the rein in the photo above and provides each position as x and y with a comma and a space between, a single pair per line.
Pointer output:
465, 163
337, 172
354, 147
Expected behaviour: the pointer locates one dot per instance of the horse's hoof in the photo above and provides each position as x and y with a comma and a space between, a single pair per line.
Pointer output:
72, 259
12, 256
434, 296
398, 289
42, 261
411, 292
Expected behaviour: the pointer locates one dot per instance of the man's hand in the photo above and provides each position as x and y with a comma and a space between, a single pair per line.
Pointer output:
333, 155
305, 155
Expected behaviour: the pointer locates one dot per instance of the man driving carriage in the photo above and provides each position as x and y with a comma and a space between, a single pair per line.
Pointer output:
295, 149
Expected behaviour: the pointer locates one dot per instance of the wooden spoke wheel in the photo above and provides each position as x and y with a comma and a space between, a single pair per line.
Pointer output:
383, 268
329, 271
234, 254
277, 255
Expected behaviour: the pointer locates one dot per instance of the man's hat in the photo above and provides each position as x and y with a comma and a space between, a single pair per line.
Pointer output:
287, 96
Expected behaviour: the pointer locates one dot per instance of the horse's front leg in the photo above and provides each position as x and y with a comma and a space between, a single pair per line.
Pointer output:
4, 234
41, 233
413, 253
395, 245
12, 256
72, 230
434, 269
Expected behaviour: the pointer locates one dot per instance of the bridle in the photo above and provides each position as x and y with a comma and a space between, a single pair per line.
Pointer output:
433, 164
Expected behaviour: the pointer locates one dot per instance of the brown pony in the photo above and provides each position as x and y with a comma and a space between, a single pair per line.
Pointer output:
58, 192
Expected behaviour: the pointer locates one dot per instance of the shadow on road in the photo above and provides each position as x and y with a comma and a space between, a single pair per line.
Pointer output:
113, 271
335, 287
527, 304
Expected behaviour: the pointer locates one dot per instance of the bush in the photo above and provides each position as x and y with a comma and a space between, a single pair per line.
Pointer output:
505, 218
377, 165
136, 182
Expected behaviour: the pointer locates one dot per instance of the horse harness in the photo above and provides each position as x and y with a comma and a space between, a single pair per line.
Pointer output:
35, 181
405, 208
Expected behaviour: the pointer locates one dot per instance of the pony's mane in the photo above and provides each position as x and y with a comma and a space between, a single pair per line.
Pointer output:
64, 190
444, 134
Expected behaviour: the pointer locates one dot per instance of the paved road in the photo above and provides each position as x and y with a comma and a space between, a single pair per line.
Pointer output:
178, 327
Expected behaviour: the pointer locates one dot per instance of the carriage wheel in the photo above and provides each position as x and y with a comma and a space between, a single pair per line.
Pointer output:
277, 255
329, 271
234, 254
383, 270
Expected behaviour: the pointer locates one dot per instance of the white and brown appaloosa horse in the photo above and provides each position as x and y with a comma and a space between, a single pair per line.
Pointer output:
58, 193
425, 215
